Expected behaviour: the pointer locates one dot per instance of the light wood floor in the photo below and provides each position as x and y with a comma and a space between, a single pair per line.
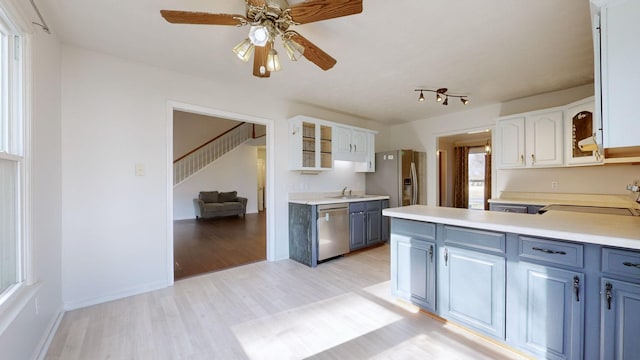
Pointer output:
205, 245
269, 310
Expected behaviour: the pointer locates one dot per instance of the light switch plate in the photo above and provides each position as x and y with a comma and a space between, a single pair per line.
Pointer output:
139, 169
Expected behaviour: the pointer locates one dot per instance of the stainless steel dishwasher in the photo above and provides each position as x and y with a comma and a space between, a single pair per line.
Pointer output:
333, 230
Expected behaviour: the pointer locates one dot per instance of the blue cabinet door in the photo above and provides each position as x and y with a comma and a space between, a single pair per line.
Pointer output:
373, 227
357, 238
472, 289
620, 320
413, 270
551, 311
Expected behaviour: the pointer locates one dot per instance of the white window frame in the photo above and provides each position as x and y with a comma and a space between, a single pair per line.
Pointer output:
15, 142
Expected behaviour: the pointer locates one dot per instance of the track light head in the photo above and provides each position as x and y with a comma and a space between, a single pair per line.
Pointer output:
446, 101
464, 101
421, 97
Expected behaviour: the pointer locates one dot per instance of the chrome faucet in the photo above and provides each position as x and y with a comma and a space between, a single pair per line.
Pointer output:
343, 190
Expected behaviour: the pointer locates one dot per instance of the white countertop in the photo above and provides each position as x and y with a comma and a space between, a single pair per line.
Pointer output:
543, 199
612, 230
319, 199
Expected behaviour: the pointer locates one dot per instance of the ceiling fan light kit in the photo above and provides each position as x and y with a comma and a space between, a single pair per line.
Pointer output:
464, 99
269, 20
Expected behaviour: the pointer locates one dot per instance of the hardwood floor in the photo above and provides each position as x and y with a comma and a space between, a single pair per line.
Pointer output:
269, 310
206, 245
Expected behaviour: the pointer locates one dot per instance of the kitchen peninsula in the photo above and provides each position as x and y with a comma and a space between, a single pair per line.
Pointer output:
556, 285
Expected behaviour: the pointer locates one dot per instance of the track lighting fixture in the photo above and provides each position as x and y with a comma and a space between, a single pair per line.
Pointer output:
440, 93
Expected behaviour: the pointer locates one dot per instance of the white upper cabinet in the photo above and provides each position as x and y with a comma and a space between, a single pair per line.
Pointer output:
530, 140
620, 73
543, 139
310, 144
350, 144
581, 134
315, 143
509, 149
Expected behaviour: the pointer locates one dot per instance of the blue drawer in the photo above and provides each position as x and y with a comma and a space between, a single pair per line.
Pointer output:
413, 228
621, 262
552, 251
474, 238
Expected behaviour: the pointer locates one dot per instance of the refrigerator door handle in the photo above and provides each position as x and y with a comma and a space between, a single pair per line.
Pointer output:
414, 184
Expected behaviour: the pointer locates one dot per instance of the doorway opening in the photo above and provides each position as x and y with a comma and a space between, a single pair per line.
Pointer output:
238, 160
465, 170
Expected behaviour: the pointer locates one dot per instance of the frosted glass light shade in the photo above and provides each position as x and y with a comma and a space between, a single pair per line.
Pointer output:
294, 49
244, 50
273, 62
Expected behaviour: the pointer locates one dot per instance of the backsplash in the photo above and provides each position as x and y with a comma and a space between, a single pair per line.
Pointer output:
603, 179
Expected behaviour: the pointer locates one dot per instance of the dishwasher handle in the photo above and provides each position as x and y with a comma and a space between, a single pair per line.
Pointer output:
329, 213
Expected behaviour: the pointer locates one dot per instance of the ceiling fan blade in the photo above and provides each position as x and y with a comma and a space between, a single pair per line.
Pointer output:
260, 60
256, 2
316, 10
202, 18
314, 53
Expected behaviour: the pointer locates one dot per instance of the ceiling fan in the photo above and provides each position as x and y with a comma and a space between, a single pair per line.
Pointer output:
270, 19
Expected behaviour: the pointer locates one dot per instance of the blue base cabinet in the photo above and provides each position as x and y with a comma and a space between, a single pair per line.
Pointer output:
549, 298
413, 265
472, 289
551, 311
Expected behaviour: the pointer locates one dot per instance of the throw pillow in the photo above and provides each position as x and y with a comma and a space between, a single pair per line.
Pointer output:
228, 196
209, 196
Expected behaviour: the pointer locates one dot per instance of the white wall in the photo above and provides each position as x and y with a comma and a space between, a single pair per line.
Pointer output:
193, 130
22, 336
235, 171
114, 115
607, 179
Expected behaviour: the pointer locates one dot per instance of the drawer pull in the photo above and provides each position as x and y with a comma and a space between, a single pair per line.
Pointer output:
630, 264
549, 251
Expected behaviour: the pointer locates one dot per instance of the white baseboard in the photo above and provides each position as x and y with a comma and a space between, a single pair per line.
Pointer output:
77, 304
48, 338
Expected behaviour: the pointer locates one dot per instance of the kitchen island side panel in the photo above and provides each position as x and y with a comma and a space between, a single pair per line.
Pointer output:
302, 234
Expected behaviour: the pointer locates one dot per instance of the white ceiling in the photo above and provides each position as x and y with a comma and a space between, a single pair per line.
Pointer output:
490, 50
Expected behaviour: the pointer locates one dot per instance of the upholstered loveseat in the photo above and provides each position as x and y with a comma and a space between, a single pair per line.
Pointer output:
212, 204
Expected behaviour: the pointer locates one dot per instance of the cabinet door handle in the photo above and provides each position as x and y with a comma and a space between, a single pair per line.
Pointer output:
446, 256
355, 147
608, 287
533, 158
576, 287
350, 147
522, 159
549, 251
630, 264
431, 252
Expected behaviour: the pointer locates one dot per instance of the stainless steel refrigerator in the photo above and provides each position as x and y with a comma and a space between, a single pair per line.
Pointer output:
399, 174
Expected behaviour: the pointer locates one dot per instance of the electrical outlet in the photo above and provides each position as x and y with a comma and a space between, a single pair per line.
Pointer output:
554, 185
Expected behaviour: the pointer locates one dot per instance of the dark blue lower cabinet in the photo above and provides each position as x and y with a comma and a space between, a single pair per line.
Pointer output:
551, 314
472, 289
413, 270
620, 320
